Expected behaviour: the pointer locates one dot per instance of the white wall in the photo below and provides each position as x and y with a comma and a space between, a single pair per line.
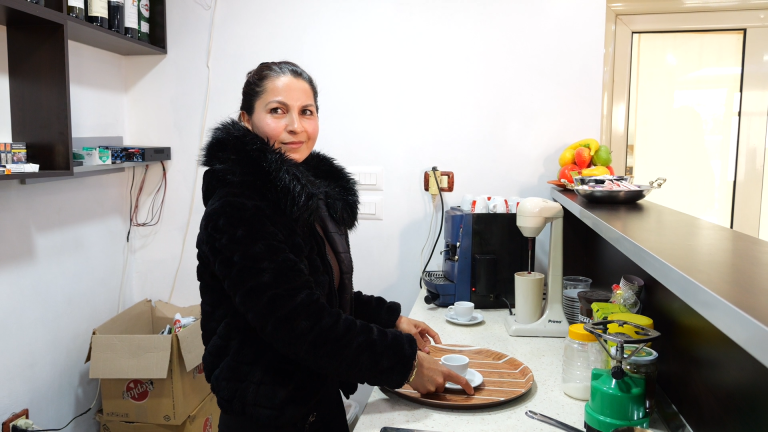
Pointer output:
166, 96
62, 257
491, 91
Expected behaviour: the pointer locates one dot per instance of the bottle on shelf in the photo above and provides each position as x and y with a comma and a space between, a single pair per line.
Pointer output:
132, 18
116, 15
144, 21
76, 8
98, 12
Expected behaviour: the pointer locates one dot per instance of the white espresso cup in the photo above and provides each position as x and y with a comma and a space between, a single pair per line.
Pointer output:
498, 204
479, 205
457, 363
466, 202
462, 310
513, 202
529, 295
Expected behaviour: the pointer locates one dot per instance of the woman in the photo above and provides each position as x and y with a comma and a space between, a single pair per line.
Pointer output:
283, 329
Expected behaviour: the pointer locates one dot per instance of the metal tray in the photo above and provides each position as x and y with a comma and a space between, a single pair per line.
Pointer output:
619, 196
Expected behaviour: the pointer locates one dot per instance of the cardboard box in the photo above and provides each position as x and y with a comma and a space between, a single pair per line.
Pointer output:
146, 377
204, 419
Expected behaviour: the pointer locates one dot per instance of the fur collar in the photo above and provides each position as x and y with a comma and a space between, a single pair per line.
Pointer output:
234, 154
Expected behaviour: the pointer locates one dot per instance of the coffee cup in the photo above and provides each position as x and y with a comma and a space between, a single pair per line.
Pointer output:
457, 363
479, 205
513, 203
498, 204
466, 202
462, 310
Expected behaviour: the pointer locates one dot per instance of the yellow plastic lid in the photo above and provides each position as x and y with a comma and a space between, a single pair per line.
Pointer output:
633, 318
577, 332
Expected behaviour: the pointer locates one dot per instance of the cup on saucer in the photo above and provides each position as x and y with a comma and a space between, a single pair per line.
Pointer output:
462, 310
457, 363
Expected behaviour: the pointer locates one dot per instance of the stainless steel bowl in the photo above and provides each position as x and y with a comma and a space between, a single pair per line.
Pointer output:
619, 196
582, 181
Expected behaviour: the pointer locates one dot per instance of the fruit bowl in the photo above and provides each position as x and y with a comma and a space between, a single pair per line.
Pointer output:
618, 196
583, 181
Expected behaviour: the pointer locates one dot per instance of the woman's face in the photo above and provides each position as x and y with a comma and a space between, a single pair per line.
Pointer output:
286, 116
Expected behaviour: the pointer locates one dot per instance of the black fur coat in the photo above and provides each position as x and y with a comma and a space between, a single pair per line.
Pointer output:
274, 330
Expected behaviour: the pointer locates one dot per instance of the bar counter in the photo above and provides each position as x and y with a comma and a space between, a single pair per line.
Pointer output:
721, 273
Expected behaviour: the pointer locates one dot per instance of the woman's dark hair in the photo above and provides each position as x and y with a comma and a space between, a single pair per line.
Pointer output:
257, 79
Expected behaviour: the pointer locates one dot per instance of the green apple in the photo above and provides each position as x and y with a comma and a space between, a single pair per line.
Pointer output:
602, 156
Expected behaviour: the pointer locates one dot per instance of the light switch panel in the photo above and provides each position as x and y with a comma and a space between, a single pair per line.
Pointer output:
368, 178
371, 207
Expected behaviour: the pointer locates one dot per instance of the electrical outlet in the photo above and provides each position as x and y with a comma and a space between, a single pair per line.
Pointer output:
14, 418
432, 183
446, 179
22, 425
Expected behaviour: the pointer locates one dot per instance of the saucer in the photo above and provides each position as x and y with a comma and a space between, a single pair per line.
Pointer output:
473, 376
477, 317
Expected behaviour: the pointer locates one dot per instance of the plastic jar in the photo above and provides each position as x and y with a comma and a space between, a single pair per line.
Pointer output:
644, 364
581, 354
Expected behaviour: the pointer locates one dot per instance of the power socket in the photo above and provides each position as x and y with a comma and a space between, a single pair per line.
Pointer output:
21, 425
14, 419
432, 183
445, 178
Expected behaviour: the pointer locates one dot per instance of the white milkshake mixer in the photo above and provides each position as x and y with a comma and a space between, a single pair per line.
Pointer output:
533, 215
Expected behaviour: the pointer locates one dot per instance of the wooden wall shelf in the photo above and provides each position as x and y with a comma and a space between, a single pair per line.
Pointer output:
99, 37
38, 74
39, 174
87, 171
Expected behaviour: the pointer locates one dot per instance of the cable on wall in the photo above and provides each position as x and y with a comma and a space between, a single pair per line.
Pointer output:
152, 217
430, 232
442, 220
199, 147
156, 204
77, 416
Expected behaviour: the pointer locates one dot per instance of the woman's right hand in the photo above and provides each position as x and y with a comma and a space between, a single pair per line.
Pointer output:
431, 376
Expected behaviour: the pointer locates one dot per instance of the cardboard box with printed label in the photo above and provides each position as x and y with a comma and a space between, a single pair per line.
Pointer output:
204, 419
147, 377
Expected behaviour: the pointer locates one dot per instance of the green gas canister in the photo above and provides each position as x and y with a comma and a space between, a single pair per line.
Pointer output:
616, 398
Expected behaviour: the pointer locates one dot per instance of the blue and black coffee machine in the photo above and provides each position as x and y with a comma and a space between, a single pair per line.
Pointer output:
481, 255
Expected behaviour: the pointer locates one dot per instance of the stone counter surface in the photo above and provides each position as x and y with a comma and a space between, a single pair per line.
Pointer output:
542, 355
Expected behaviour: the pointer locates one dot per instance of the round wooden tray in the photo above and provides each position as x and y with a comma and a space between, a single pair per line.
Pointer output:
504, 378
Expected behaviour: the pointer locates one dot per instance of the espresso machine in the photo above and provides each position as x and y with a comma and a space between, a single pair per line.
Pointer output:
533, 215
482, 252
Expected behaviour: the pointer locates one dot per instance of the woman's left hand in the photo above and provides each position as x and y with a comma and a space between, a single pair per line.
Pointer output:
420, 331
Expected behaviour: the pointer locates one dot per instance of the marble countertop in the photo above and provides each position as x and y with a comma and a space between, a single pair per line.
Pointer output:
542, 355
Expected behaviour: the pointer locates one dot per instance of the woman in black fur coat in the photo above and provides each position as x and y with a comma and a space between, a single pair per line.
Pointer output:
282, 327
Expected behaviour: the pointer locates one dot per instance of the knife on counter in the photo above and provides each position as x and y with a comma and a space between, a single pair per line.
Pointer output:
552, 422
394, 429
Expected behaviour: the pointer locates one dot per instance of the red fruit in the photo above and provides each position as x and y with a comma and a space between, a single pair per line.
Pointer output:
582, 157
565, 173
610, 170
